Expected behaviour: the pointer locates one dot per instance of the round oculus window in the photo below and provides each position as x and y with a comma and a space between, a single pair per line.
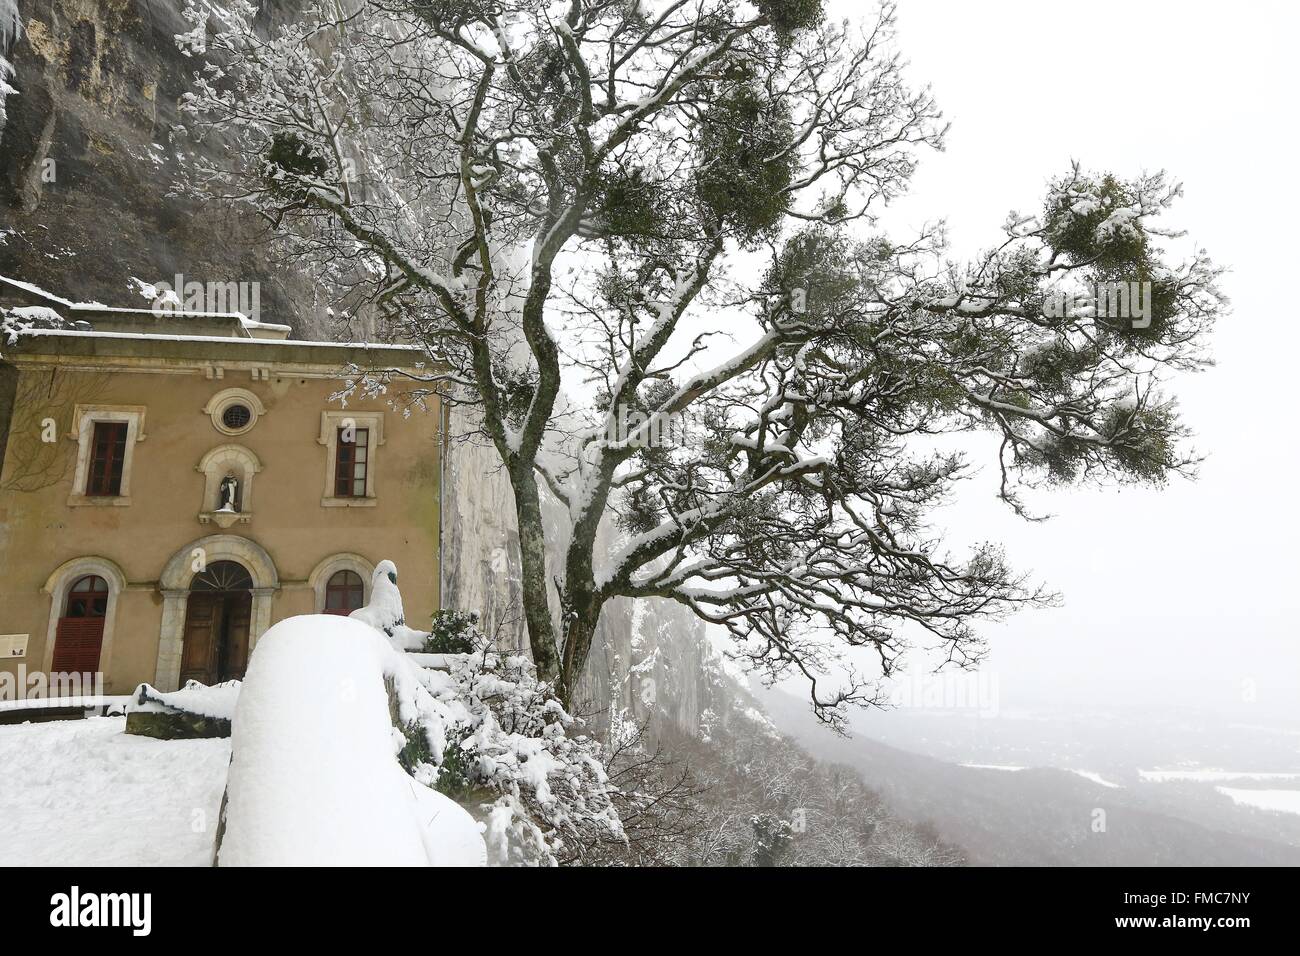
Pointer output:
234, 410
236, 417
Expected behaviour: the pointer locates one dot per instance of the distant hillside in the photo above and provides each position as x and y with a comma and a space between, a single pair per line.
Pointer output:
1032, 817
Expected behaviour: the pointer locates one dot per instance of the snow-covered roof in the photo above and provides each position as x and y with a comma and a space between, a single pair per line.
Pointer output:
241, 321
189, 351
214, 339
249, 340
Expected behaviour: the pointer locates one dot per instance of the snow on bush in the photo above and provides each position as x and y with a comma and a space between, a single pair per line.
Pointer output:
488, 733
498, 739
449, 633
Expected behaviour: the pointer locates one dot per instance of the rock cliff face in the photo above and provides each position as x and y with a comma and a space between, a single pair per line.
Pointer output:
651, 660
88, 154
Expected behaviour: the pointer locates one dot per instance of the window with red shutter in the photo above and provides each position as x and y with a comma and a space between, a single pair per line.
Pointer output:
80, 631
107, 453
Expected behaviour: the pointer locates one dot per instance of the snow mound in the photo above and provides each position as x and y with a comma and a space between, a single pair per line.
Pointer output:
408, 638
36, 313
314, 778
16, 321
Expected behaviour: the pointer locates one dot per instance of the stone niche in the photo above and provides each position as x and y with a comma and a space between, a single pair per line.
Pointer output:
220, 463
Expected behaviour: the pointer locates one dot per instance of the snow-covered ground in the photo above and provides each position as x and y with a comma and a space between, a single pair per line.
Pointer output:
992, 766
1086, 774
84, 793
1096, 778
1282, 801
1210, 776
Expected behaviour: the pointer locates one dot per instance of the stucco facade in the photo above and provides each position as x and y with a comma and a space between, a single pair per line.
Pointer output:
290, 533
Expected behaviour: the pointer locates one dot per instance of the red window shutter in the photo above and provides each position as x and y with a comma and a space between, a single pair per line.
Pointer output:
76, 645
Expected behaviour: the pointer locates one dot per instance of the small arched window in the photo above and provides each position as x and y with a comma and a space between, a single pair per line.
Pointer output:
344, 593
88, 597
79, 637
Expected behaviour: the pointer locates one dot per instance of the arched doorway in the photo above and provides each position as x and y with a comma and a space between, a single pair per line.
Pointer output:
174, 585
218, 615
79, 635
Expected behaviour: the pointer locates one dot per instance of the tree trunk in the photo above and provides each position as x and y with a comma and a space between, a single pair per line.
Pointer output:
536, 596
583, 614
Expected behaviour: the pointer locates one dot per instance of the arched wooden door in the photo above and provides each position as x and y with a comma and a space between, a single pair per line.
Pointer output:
80, 632
218, 614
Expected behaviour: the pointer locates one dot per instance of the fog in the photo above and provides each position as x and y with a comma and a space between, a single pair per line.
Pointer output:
1174, 596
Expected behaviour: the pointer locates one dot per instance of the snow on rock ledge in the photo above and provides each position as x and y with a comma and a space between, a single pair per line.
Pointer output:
217, 700
314, 779
194, 711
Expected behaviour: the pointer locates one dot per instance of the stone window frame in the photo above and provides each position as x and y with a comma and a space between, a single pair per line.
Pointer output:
84, 418
343, 561
57, 586
347, 466
330, 423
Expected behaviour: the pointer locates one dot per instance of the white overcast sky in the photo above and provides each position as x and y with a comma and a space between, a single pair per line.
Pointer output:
1183, 594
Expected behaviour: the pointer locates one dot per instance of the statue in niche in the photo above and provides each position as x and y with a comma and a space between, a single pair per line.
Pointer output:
229, 494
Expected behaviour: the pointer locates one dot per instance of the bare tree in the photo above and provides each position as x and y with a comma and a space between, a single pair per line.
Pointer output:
39, 454
607, 220
657, 799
